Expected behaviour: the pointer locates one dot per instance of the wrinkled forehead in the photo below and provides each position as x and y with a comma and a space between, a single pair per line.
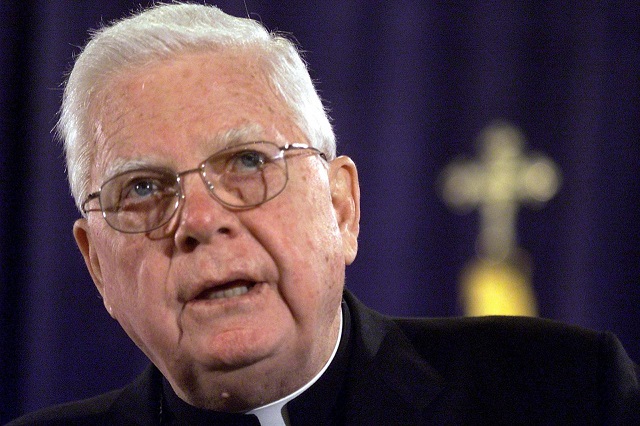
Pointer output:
192, 105
182, 87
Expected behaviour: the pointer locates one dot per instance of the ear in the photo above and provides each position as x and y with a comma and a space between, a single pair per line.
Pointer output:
345, 196
83, 240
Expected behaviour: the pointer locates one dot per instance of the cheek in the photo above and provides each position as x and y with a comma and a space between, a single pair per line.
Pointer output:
310, 228
129, 269
135, 290
309, 248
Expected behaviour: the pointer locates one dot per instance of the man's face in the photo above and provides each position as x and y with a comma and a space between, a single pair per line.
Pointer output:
290, 253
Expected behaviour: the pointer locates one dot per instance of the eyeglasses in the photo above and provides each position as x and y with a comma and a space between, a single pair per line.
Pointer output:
241, 177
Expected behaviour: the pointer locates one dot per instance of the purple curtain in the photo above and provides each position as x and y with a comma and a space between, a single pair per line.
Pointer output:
410, 85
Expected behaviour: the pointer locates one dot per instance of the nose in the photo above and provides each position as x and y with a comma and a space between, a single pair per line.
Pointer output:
201, 219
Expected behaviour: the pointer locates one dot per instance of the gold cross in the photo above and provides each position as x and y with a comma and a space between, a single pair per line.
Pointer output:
497, 184
498, 282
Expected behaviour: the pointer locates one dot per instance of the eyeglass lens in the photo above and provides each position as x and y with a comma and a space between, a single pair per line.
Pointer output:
241, 176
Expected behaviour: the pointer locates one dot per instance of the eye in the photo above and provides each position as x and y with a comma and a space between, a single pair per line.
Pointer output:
136, 187
247, 162
143, 188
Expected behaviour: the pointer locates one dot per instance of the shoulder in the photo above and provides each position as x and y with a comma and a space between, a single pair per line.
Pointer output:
493, 338
548, 363
510, 343
502, 368
133, 404
501, 333
88, 411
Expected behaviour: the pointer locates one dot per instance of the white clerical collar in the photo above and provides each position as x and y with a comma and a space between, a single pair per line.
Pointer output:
275, 413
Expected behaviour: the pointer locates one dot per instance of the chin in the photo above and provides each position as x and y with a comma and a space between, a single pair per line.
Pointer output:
235, 350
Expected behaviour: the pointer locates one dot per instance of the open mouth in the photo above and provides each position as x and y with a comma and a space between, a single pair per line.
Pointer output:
226, 291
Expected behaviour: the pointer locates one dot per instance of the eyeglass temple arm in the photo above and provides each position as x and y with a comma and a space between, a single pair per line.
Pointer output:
291, 146
90, 197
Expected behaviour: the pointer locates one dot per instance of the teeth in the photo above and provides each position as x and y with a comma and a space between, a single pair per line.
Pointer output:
232, 292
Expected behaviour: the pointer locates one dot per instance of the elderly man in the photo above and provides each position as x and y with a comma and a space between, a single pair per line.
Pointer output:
217, 223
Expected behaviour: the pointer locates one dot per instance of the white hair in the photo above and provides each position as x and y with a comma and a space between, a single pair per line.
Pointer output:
166, 31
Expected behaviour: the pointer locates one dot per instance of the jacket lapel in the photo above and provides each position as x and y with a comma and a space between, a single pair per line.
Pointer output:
388, 381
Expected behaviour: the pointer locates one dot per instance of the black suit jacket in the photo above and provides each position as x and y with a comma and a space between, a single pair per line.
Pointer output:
472, 371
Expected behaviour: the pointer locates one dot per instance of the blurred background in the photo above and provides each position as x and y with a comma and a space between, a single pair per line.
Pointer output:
411, 86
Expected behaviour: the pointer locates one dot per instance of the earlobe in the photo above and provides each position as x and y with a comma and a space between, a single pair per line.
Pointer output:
345, 196
83, 240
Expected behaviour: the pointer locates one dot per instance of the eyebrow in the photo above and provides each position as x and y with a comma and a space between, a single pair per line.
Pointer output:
237, 135
120, 166
222, 140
